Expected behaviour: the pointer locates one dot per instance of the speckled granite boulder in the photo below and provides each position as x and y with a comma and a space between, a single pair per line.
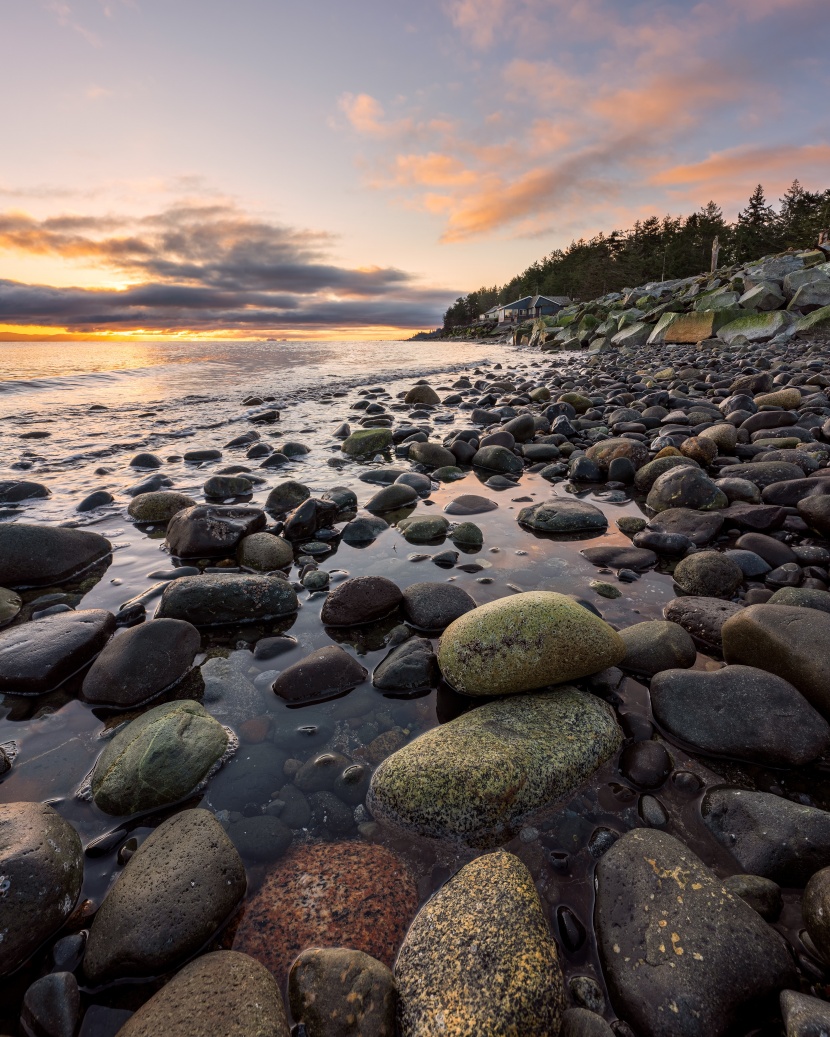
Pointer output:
177, 889
42, 864
683, 956
479, 958
524, 642
339, 894
474, 777
223, 994
158, 758
337, 992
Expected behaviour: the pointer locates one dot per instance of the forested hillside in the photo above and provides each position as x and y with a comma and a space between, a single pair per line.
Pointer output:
671, 247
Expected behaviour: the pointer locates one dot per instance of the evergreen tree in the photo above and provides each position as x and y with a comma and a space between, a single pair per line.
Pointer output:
755, 233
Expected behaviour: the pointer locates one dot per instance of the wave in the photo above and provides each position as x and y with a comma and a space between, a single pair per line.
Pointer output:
86, 379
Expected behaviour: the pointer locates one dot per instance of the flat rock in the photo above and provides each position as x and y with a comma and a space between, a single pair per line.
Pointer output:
335, 894
363, 599
433, 606
620, 557
336, 992
211, 530
141, 662
175, 892
37, 556
741, 712
221, 994
682, 955
216, 598
158, 758
43, 869
470, 504
699, 526
768, 835
325, 673
524, 642
479, 958
657, 645
702, 617
793, 643
563, 515
475, 777
37, 656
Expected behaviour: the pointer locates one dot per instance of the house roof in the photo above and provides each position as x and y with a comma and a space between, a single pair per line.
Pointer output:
529, 302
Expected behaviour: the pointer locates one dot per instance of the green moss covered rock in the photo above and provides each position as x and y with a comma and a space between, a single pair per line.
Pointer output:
367, 441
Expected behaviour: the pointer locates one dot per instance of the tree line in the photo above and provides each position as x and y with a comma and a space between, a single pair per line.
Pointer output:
655, 249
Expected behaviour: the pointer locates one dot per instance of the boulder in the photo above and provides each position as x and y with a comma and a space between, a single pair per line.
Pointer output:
698, 526
265, 552
475, 777
702, 617
176, 890
367, 441
43, 869
286, 496
656, 645
158, 758
564, 515
523, 642
325, 673
433, 606
756, 327
211, 530
479, 958
336, 992
407, 667
363, 599
216, 598
683, 957
158, 506
685, 487
52, 1006
221, 994
498, 459
804, 1016
38, 556
708, 574
433, 455
609, 450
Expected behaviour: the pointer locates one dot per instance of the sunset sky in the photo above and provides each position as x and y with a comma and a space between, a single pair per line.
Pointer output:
346, 168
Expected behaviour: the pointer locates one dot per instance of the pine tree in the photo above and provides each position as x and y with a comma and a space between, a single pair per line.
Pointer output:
755, 233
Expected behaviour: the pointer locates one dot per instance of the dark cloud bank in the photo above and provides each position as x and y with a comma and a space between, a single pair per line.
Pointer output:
205, 268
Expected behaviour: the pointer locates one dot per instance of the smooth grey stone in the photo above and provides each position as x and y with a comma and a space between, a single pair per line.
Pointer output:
14, 490
390, 498
142, 662
433, 606
768, 835
211, 530
37, 656
657, 645
363, 529
691, 964
699, 526
331, 813
37, 556
498, 459
145, 460
702, 617
52, 1006
470, 504
95, 500
175, 892
762, 895
43, 870
802, 597
752, 565
217, 598
286, 496
804, 1016
563, 515
327, 672
708, 574
382, 476
151, 484
362, 599
742, 712
614, 557
408, 667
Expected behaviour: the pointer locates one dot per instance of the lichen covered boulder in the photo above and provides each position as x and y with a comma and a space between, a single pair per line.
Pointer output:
475, 777
524, 642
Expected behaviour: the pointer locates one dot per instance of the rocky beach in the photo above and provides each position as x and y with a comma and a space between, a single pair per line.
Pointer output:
462, 688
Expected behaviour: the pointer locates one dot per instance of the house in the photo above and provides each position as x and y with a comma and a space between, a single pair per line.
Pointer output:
526, 308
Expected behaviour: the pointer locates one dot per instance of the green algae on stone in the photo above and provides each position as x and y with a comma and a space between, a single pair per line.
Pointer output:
158, 758
524, 642
756, 327
420, 529
474, 778
158, 506
468, 534
367, 441
479, 958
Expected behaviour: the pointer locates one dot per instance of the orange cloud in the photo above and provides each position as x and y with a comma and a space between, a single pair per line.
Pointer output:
432, 170
742, 162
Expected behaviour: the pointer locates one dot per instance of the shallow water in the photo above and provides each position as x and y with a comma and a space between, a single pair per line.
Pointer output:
196, 395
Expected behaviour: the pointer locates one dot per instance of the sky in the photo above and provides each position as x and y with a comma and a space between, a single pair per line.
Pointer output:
346, 168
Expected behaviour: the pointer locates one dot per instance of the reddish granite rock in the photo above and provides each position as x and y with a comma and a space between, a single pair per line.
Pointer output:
346, 894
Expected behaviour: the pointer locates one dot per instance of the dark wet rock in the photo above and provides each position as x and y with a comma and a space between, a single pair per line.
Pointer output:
362, 599
815, 908
524, 642
334, 894
751, 565
698, 526
145, 460
337, 992
760, 518
793, 643
421, 392
407, 667
149, 485
423, 529
804, 1016
563, 515
52, 1006
762, 895
763, 473
479, 957
328, 671
816, 512
787, 494
363, 529
475, 777
651, 472
611, 449
260, 838
390, 498
217, 598
344, 499
620, 557
657, 645
467, 534
265, 552
670, 545
10, 606
708, 574
703, 618
646, 764
37, 556
14, 490
691, 964
97, 499
802, 597
140, 663
286, 496
583, 469
422, 484
685, 488
433, 455
219, 487
43, 870
158, 758
580, 1022
330, 813
158, 506
433, 606
221, 994
176, 890
210, 530
742, 712
37, 656
773, 551
768, 835
498, 459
